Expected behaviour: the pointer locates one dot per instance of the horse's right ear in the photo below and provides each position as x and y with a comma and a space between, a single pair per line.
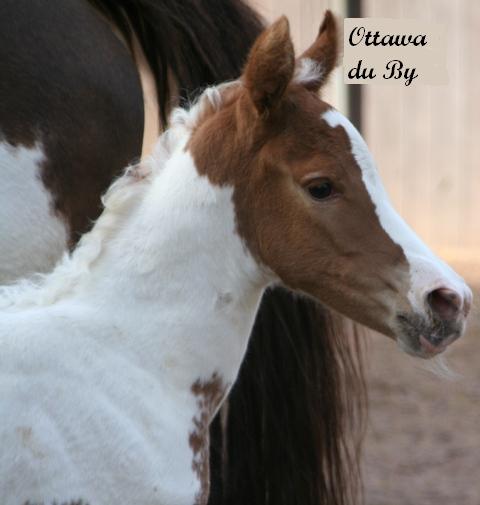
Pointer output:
270, 66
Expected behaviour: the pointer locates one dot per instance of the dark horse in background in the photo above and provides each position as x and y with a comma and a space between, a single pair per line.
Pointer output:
69, 79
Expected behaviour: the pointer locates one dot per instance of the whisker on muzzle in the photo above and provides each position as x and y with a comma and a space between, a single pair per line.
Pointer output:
440, 368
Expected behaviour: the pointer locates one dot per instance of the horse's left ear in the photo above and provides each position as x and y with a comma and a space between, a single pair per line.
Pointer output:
270, 66
323, 51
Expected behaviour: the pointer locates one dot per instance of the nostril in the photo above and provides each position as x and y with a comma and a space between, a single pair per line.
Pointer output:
445, 303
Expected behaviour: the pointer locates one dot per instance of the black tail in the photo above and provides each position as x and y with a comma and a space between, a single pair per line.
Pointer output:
201, 42
295, 414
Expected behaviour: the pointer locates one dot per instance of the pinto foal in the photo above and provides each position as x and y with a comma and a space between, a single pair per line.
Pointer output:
112, 367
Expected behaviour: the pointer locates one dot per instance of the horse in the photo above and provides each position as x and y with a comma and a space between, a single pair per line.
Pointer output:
114, 365
85, 87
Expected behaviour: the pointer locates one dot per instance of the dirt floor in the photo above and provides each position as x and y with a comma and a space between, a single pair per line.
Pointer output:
423, 439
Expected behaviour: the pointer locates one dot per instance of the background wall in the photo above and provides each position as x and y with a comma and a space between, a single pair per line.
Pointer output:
423, 440
425, 139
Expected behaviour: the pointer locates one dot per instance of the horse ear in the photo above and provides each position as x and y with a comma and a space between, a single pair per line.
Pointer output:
323, 52
270, 66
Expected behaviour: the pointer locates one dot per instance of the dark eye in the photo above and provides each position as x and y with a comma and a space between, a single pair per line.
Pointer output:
321, 190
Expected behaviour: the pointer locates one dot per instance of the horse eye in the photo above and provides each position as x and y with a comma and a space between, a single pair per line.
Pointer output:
321, 190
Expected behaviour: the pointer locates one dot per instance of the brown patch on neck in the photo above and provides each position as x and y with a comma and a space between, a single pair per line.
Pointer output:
224, 145
209, 395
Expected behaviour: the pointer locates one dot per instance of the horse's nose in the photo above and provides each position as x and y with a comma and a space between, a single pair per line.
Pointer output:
447, 304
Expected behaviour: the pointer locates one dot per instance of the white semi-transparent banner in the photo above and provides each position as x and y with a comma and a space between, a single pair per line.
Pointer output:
394, 51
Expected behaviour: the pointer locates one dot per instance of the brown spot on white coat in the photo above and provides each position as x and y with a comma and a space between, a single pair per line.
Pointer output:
209, 394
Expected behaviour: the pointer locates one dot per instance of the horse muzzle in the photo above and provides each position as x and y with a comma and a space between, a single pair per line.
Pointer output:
427, 334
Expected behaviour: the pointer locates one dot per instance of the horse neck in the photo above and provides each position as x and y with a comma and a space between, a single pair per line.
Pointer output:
177, 280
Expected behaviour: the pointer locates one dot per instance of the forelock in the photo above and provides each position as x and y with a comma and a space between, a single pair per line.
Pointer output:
308, 71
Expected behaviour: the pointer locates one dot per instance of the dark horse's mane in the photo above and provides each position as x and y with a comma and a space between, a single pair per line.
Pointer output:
202, 42
295, 414
290, 432
297, 409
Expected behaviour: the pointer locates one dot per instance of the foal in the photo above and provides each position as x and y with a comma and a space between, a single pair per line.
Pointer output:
112, 367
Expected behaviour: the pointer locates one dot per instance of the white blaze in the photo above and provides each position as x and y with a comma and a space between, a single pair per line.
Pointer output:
427, 272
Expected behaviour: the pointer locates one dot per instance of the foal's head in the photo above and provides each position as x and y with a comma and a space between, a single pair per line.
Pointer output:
309, 202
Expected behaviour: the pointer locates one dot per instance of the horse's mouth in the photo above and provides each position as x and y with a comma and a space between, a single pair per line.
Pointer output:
424, 336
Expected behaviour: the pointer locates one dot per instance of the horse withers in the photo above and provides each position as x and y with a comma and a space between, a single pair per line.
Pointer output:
112, 366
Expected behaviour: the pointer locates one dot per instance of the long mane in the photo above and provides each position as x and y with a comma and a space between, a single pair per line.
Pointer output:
200, 42
296, 413
291, 432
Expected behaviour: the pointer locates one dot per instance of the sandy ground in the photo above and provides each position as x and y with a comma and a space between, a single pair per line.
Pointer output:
423, 440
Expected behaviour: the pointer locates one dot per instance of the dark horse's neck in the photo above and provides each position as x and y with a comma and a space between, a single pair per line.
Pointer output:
75, 89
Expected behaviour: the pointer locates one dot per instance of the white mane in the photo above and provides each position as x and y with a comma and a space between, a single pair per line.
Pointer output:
121, 197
